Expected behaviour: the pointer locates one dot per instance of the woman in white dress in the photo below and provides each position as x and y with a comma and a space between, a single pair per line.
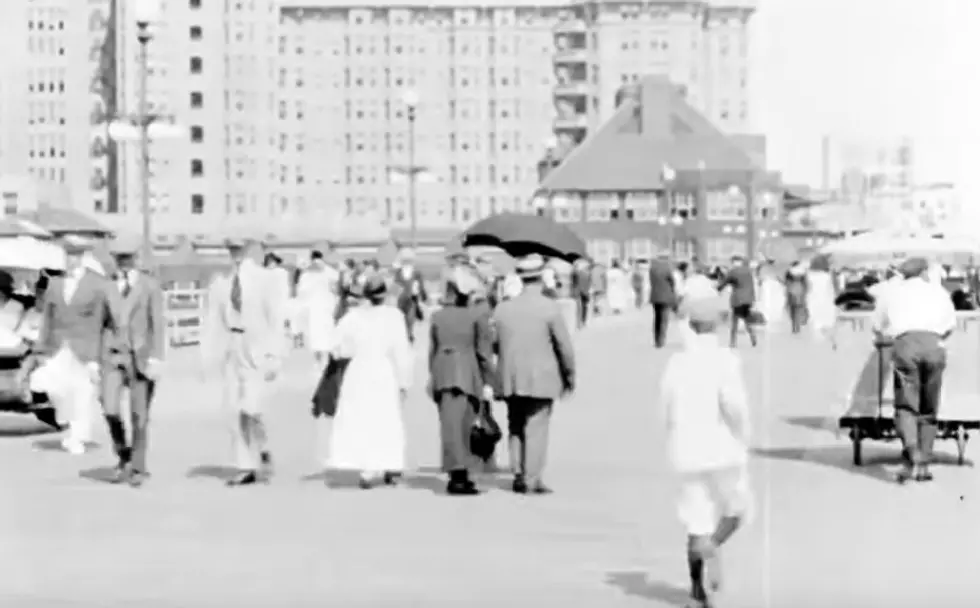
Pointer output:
318, 292
368, 429
820, 301
772, 296
618, 288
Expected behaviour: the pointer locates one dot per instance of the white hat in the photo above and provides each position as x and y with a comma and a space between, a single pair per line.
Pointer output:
530, 265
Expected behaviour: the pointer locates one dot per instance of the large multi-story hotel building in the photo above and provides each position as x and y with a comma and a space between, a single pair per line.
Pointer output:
296, 109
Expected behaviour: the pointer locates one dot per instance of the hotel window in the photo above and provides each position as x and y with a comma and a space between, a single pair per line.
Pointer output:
602, 251
642, 206
197, 204
568, 208
197, 168
599, 207
684, 205
197, 100
727, 204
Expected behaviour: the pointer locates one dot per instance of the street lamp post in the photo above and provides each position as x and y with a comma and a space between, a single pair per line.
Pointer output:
147, 11
411, 100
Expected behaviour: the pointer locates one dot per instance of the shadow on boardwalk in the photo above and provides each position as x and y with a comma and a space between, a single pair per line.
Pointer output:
638, 584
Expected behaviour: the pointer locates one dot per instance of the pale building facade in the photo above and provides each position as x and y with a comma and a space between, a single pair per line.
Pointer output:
297, 109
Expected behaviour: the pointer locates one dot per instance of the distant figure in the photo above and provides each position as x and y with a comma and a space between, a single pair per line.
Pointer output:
618, 288
411, 295
742, 298
663, 297
821, 301
582, 290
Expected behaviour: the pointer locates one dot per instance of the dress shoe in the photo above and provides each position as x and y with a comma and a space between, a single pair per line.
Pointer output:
245, 478
391, 478
366, 483
137, 479
519, 486
906, 474
540, 488
922, 473
462, 488
266, 468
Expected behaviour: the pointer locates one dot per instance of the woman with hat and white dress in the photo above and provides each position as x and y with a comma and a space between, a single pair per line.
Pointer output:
368, 429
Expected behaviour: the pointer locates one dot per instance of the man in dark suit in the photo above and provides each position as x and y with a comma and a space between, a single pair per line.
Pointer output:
411, 295
663, 296
582, 290
78, 316
134, 361
742, 298
536, 366
461, 372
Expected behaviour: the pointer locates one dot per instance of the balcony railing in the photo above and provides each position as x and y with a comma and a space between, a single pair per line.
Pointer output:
571, 26
574, 55
572, 121
572, 89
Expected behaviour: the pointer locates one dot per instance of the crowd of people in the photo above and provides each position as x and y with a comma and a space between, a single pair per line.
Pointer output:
494, 337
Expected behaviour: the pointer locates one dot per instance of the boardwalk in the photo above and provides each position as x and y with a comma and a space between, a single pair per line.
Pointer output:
824, 533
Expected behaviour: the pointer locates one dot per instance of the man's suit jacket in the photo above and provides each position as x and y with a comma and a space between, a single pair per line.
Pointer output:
411, 291
535, 353
662, 287
742, 282
461, 350
261, 319
83, 322
142, 328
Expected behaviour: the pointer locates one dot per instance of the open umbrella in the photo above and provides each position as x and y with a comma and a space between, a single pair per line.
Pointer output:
520, 234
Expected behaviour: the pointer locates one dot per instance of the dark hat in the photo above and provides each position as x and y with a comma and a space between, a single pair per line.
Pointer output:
913, 267
374, 286
6, 282
76, 245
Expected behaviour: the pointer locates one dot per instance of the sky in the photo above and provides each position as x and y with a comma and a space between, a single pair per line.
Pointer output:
870, 68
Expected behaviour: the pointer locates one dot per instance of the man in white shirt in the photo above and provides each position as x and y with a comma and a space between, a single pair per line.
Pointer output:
918, 316
707, 421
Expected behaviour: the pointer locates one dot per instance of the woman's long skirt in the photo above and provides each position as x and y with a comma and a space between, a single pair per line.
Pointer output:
457, 411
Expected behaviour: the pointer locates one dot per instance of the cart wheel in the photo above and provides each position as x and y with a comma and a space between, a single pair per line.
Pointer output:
961, 438
856, 444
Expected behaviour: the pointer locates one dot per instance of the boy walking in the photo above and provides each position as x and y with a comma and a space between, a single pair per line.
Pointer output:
706, 415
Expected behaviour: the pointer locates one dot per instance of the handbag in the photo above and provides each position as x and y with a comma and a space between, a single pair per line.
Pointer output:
485, 433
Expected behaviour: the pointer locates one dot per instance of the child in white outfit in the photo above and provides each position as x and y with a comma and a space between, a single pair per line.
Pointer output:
706, 414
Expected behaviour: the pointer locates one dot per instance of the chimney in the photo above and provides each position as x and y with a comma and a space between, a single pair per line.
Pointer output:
656, 96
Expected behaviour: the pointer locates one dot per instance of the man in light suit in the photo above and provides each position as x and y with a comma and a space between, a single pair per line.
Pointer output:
243, 342
536, 366
78, 316
134, 361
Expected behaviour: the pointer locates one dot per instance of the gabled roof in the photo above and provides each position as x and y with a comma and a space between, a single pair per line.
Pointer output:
620, 156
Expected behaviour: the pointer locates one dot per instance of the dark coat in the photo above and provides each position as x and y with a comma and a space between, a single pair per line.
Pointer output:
461, 350
582, 282
411, 291
742, 282
796, 289
662, 288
